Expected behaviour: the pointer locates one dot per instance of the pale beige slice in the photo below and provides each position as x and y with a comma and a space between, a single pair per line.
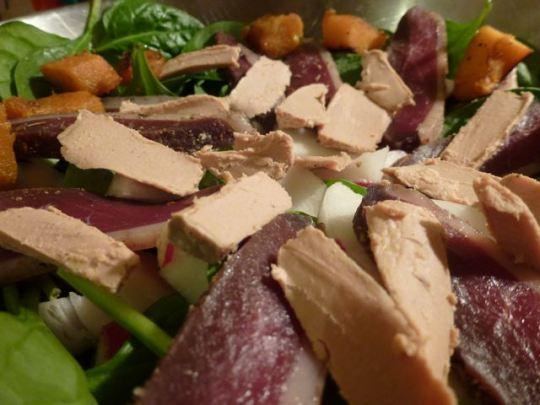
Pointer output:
211, 57
261, 88
54, 238
271, 153
333, 162
213, 226
373, 352
439, 179
98, 142
304, 108
527, 189
193, 106
486, 132
510, 221
382, 84
355, 123
407, 243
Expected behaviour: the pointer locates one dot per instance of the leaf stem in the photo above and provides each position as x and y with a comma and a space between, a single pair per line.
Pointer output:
151, 335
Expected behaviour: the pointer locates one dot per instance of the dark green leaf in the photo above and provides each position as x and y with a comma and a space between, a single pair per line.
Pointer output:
205, 35
113, 382
529, 70
209, 180
36, 368
17, 41
210, 82
130, 22
144, 81
459, 116
459, 35
349, 66
353, 186
94, 180
534, 90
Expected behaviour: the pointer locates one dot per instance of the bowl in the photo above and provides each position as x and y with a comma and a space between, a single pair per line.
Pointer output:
519, 17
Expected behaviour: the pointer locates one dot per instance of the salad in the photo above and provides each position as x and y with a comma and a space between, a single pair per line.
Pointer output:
237, 213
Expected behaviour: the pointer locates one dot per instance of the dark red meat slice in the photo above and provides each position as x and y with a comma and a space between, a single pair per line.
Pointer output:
430, 150
413, 52
310, 64
36, 136
522, 147
241, 343
246, 60
497, 314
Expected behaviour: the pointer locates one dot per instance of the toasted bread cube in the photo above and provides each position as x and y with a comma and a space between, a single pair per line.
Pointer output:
3, 115
17, 107
84, 72
344, 31
490, 56
275, 35
8, 162
155, 61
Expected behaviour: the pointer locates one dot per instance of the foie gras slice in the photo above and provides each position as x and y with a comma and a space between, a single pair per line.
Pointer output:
410, 253
528, 189
261, 88
192, 106
355, 123
98, 142
53, 237
382, 84
374, 353
271, 153
486, 132
211, 57
213, 226
510, 221
304, 108
439, 179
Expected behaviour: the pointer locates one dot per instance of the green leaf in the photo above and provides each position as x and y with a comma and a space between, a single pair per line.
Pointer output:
144, 82
349, 66
459, 35
130, 22
459, 116
529, 70
206, 34
34, 366
17, 41
94, 180
353, 186
146, 331
113, 382
209, 180
29, 81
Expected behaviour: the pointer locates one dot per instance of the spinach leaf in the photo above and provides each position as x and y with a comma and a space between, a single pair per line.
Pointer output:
349, 66
144, 82
459, 116
353, 186
205, 35
459, 35
128, 22
28, 79
209, 180
529, 70
94, 180
35, 367
208, 82
17, 40
113, 382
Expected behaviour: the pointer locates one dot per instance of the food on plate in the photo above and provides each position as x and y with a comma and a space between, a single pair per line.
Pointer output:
251, 212
85, 72
490, 56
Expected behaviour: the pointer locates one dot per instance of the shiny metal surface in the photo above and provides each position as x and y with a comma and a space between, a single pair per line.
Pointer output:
521, 17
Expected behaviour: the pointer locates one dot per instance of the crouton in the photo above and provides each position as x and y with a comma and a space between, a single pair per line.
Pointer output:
87, 72
17, 107
3, 115
8, 162
491, 55
155, 61
344, 31
275, 35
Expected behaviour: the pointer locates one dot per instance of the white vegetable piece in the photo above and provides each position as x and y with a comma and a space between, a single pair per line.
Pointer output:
472, 215
306, 190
